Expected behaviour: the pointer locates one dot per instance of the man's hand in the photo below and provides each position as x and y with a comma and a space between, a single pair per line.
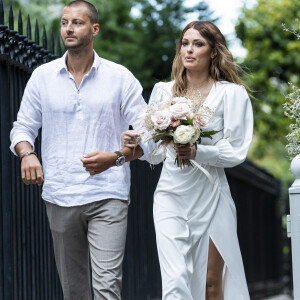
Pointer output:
98, 162
31, 170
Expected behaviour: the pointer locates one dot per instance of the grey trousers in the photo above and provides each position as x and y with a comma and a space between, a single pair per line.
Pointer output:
96, 230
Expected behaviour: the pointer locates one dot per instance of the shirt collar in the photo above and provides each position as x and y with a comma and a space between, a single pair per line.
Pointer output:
62, 66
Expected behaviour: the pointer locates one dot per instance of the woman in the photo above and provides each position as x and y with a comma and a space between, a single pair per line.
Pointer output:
195, 220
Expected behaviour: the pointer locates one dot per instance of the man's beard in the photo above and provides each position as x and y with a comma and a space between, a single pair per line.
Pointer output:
84, 41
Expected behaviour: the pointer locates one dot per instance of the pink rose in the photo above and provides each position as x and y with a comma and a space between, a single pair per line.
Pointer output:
182, 100
174, 122
202, 118
200, 121
161, 119
180, 111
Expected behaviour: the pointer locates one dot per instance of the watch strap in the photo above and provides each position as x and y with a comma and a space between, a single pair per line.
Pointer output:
121, 159
119, 154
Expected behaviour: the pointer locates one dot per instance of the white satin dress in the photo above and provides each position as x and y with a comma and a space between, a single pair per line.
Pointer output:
189, 210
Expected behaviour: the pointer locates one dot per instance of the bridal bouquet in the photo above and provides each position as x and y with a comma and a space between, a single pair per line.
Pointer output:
178, 120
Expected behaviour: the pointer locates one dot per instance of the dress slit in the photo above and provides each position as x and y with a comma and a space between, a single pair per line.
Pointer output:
226, 242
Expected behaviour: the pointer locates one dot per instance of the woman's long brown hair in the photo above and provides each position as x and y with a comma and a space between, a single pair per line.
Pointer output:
222, 66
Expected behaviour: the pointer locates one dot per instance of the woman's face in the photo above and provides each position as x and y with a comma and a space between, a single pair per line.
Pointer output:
195, 51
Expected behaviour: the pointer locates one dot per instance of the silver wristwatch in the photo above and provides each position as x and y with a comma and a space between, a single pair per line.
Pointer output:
120, 160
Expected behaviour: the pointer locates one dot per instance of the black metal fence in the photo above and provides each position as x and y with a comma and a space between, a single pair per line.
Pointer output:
257, 198
27, 267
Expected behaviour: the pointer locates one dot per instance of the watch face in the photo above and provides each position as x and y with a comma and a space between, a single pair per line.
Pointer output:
120, 161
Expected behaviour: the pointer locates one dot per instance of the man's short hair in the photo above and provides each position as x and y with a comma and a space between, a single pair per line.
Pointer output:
92, 10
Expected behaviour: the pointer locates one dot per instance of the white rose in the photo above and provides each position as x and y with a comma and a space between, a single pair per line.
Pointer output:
184, 134
195, 136
191, 115
161, 119
180, 111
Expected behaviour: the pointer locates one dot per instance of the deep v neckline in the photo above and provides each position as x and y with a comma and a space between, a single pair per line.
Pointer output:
211, 91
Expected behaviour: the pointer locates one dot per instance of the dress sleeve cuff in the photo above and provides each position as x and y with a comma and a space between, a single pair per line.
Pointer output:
148, 147
229, 157
152, 154
207, 154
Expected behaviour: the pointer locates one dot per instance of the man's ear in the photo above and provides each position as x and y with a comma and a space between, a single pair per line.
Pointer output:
96, 28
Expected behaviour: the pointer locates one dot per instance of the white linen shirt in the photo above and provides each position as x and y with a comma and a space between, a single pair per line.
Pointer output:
77, 121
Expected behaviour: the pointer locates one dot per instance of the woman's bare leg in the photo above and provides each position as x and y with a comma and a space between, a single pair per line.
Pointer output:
215, 266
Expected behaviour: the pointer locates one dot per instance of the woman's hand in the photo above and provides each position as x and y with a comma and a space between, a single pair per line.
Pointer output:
131, 138
187, 151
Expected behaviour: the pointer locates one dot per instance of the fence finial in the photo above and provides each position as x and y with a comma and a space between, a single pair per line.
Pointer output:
28, 28
44, 38
20, 23
11, 18
1, 13
37, 33
295, 169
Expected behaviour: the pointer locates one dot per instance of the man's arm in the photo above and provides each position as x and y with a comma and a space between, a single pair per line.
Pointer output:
99, 161
31, 168
25, 131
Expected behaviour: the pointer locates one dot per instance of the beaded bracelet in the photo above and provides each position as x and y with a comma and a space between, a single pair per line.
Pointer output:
26, 154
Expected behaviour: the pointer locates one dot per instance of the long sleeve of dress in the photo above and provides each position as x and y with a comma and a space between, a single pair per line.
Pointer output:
232, 148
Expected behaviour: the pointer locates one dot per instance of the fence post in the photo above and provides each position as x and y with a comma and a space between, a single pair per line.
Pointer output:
293, 224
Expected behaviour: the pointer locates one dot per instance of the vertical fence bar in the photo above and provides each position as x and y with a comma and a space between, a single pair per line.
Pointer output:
11, 103
1, 13
2, 240
5, 183
18, 199
2, 226
294, 226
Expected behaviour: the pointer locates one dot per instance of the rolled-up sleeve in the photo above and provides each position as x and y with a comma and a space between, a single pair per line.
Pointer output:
232, 149
29, 119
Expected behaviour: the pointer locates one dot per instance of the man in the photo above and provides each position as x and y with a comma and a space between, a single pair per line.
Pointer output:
83, 103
